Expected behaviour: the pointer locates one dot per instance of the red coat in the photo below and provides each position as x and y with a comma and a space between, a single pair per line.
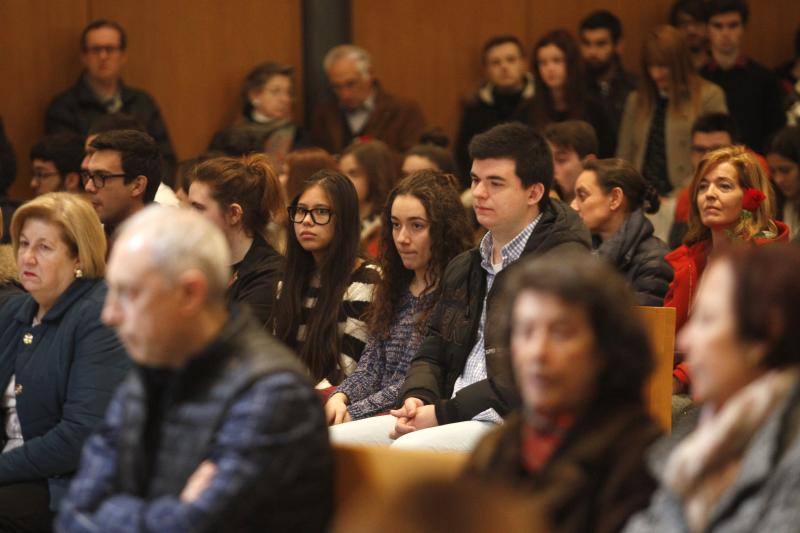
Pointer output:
689, 263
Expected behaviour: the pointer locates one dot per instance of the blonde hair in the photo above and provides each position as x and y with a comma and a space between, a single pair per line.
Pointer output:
750, 176
77, 220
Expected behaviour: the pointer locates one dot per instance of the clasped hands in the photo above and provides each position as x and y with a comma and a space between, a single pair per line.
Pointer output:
413, 415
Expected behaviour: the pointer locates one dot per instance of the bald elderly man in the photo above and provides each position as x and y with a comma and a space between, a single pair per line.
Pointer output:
216, 428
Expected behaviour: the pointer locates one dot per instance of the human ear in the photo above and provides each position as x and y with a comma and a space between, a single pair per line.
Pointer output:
139, 185
535, 193
234, 214
616, 198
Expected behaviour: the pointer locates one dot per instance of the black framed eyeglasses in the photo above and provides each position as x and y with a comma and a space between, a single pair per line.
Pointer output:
98, 179
319, 215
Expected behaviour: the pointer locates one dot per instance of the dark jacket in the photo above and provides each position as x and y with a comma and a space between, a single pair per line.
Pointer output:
395, 121
65, 376
639, 256
255, 279
612, 96
754, 98
455, 320
242, 403
596, 479
77, 108
483, 110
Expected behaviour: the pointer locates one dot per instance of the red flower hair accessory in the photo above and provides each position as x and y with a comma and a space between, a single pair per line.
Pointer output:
752, 199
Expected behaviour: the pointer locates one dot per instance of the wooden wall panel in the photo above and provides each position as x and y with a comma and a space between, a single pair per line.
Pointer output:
38, 57
192, 55
439, 42
430, 50
770, 31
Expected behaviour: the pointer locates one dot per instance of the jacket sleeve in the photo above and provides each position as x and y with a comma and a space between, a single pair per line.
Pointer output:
652, 278
269, 435
470, 401
99, 365
428, 367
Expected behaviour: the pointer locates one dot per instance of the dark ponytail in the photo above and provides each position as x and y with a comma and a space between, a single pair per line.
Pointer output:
615, 172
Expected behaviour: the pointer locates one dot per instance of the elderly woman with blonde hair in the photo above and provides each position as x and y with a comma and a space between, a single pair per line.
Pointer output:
59, 364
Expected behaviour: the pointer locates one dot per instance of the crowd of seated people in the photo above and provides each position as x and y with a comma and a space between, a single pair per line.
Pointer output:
181, 343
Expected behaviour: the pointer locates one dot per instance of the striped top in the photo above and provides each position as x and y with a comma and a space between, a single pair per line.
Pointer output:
352, 328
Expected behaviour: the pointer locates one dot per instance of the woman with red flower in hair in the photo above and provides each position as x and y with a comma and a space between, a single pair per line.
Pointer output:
732, 202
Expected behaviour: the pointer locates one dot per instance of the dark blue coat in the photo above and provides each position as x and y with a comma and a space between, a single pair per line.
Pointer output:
65, 377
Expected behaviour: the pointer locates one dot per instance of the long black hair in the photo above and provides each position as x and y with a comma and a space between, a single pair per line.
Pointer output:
321, 347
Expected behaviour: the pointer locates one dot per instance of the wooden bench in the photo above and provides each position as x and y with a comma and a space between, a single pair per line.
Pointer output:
660, 324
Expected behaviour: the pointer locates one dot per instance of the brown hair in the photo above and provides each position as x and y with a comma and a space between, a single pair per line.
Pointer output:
577, 135
751, 176
664, 46
765, 295
77, 220
450, 233
379, 165
248, 181
575, 92
302, 164
614, 172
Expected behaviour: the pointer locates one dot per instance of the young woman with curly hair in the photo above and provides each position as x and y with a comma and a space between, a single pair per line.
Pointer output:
424, 226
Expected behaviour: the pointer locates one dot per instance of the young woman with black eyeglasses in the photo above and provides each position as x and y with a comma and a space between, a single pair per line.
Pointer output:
327, 286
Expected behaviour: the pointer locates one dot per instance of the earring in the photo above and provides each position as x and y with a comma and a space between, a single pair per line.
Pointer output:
78, 273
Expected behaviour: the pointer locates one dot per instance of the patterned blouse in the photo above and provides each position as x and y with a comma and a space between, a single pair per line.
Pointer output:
374, 386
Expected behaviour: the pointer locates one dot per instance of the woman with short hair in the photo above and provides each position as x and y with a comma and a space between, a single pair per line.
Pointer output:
580, 358
59, 364
739, 469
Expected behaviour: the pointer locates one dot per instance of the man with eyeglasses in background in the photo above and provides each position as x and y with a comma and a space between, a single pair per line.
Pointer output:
122, 175
100, 91
56, 163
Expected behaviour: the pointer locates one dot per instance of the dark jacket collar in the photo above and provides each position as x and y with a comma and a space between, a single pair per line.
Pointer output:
74, 292
559, 225
85, 94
